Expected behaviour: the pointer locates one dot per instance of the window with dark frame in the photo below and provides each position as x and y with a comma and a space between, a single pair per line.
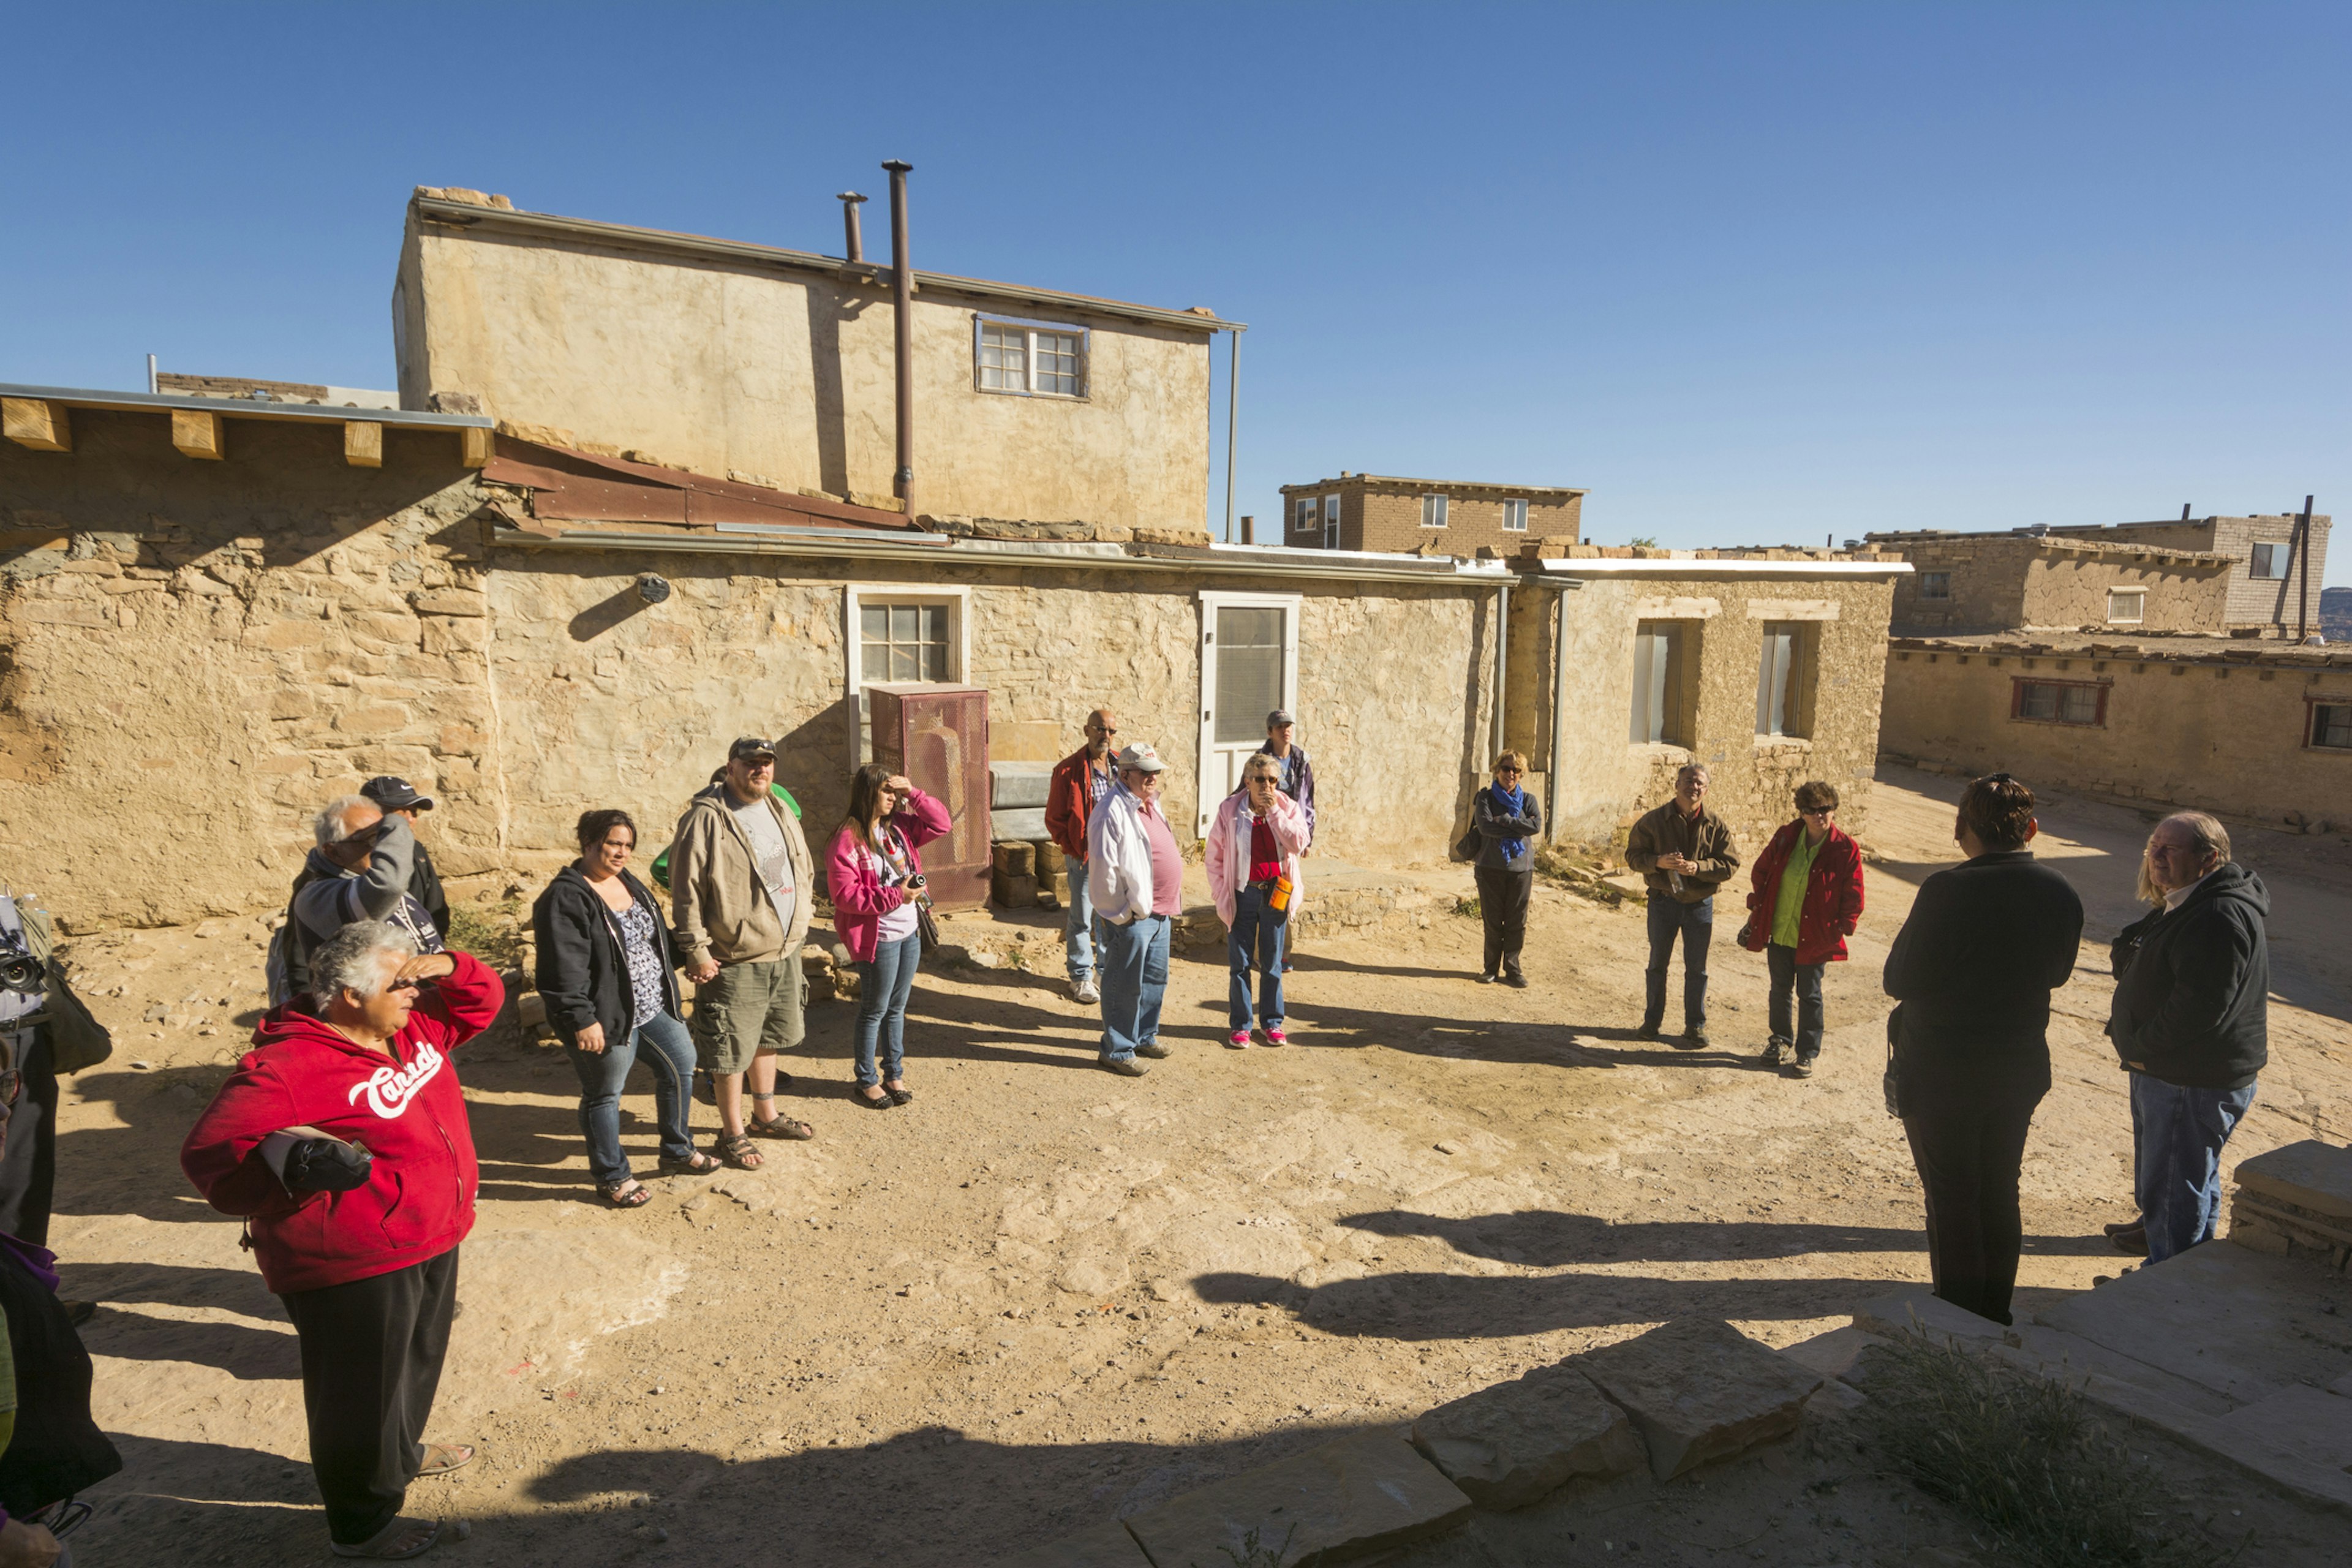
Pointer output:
2270, 561
1934, 584
2331, 726
2082, 702
1330, 522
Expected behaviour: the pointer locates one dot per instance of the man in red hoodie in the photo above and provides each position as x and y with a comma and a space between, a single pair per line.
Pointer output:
342, 1139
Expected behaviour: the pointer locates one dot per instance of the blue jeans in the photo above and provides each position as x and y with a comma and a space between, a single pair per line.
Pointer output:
2177, 1137
669, 1051
1133, 968
1805, 980
1696, 921
1077, 925
1255, 941
883, 988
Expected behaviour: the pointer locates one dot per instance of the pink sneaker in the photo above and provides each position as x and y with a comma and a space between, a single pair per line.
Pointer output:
1277, 1038
1240, 1041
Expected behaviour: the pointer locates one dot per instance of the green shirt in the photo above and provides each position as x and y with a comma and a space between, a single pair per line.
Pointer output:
1791, 904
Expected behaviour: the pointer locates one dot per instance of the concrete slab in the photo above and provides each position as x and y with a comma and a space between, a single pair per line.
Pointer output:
2241, 1325
2056, 1354
1513, 1443
1104, 1545
1348, 1499
2310, 1174
2309, 1423
1699, 1390
1831, 1354
1914, 1312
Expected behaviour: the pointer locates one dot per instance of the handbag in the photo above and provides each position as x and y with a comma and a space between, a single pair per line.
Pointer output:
1891, 1084
926, 929
1467, 847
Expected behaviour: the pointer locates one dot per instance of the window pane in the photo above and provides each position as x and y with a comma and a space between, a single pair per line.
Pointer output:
1003, 358
873, 622
2040, 701
2331, 726
1057, 368
1653, 664
1249, 671
1772, 680
2125, 605
902, 623
2079, 705
1934, 584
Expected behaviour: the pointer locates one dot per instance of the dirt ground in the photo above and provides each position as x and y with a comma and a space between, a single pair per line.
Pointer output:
1041, 1295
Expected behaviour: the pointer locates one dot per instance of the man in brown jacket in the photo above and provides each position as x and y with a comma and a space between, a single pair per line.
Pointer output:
1683, 853
741, 884
1080, 780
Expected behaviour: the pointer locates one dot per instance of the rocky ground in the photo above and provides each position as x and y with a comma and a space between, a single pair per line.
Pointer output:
1040, 1295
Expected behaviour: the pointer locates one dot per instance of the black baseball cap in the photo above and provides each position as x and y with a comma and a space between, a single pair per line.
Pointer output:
395, 794
749, 746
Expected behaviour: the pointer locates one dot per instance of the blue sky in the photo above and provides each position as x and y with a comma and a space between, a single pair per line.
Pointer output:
1751, 273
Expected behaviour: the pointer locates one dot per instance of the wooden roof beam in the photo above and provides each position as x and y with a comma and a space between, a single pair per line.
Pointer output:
35, 423
198, 434
363, 444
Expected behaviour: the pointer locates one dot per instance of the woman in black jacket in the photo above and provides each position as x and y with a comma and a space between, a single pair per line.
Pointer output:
608, 971
1507, 818
1973, 967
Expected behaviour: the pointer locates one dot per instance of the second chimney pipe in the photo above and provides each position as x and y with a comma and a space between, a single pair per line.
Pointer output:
853, 238
902, 311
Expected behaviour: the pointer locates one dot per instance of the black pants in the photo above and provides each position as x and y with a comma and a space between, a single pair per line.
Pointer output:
29, 1166
1968, 1154
1502, 895
1805, 980
1695, 924
372, 1355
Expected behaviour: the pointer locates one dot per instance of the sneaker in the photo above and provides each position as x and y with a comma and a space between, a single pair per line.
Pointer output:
1489, 979
1277, 1038
1695, 1037
1801, 1067
1776, 1051
1085, 991
1129, 1067
1155, 1049
1648, 1032
1240, 1040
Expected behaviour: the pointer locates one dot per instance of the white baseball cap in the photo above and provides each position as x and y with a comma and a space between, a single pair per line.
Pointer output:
1143, 757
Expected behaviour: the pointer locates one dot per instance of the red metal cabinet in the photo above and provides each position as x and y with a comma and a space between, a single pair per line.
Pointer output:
938, 736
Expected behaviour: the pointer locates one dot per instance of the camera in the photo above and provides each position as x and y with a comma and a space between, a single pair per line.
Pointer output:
917, 880
22, 973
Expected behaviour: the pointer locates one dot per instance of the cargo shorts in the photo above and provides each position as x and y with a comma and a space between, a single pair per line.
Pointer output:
747, 1008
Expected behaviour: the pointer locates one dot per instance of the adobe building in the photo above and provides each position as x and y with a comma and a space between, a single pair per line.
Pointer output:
1437, 517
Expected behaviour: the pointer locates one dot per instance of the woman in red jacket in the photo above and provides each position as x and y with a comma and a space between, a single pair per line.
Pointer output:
343, 1140
1806, 902
875, 874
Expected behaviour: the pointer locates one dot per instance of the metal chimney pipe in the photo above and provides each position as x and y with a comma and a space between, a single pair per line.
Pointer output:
902, 311
2184, 512
1249, 529
2302, 560
853, 238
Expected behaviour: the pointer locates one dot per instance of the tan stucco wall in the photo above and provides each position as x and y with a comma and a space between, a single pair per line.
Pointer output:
223, 647
1605, 782
789, 376
2204, 735
1999, 581
2072, 591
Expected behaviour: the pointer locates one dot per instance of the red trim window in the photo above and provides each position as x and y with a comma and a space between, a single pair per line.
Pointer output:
2083, 702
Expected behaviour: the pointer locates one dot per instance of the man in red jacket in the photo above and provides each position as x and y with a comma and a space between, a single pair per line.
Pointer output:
1080, 780
343, 1140
1806, 902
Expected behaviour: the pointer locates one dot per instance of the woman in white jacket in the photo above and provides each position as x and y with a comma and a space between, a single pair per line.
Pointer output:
1136, 880
1253, 850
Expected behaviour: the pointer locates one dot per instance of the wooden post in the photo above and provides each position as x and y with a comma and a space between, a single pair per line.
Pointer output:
363, 444
474, 447
197, 434
35, 423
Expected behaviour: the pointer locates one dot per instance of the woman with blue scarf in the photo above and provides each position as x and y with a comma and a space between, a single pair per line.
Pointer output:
1506, 817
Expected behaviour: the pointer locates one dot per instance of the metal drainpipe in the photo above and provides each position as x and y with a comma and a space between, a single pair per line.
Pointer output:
854, 239
1502, 656
2302, 560
1232, 423
902, 312
1559, 709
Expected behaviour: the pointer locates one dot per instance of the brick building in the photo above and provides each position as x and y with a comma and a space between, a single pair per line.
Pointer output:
1375, 511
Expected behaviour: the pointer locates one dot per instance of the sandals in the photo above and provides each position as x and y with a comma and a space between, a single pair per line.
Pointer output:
631, 1193
397, 1541
780, 1127
694, 1165
736, 1153
440, 1458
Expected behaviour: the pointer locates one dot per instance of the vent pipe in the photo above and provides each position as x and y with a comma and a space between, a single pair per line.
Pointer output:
902, 312
2301, 562
853, 238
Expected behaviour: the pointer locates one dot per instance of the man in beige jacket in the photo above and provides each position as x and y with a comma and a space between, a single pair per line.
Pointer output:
741, 883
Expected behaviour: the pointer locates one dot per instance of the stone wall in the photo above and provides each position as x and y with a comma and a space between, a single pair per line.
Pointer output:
786, 378
2223, 736
1605, 781
1998, 581
2252, 601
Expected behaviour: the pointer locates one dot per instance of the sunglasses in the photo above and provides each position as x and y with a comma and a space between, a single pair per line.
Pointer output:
1102, 729
1816, 811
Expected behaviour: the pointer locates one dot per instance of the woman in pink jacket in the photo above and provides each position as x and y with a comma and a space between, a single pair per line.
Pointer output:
875, 876
1253, 848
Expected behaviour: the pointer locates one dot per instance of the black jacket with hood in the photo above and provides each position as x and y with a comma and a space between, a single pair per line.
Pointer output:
581, 971
2192, 985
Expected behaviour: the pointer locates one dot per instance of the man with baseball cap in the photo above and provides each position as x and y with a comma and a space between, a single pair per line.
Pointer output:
741, 884
397, 797
1136, 880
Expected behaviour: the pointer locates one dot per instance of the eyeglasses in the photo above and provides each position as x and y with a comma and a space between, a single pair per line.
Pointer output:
1817, 811
1507, 773
1102, 729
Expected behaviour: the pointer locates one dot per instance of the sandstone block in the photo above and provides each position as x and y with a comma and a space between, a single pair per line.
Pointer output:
1014, 859
1011, 892
1104, 1545
373, 718
1050, 857
1916, 1311
286, 636
2310, 1175
1510, 1445
439, 634
450, 602
1348, 1499
1699, 1390
1831, 1354
52, 612
295, 764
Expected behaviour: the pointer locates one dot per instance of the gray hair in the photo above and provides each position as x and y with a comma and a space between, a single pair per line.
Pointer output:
328, 826
2206, 832
353, 959
1694, 770
1259, 762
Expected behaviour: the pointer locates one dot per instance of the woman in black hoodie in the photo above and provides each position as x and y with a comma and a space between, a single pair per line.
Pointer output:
1973, 967
608, 971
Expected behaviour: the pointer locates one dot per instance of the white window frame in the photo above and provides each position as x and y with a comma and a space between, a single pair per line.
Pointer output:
2281, 562
1930, 583
1433, 504
1205, 749
1330, 522
1520, 526
2138, 617
1303, 509
981, 321
854, 599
